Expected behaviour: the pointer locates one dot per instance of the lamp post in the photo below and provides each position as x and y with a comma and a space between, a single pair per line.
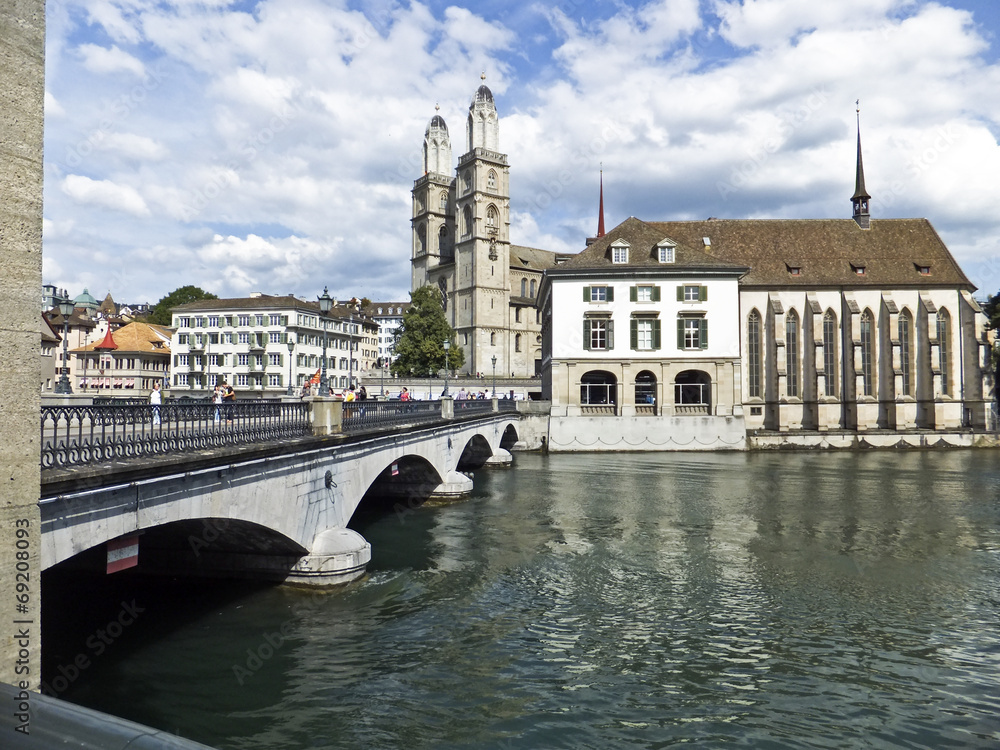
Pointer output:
66, 308
447, 346
325, 304
350, 352
494, 376
381, 377
291, 348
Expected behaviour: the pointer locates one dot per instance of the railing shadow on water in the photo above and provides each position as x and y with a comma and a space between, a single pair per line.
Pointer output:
78, 435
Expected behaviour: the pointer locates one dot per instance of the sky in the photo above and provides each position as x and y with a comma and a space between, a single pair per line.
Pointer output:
271, 146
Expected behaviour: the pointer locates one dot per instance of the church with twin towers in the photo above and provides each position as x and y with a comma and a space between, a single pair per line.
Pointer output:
462, 246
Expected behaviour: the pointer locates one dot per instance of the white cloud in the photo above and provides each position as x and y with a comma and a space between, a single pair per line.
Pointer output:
52, 106
103, 60
130, 145
104, 193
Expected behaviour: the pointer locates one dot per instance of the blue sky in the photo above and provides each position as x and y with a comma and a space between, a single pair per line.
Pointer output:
271, 146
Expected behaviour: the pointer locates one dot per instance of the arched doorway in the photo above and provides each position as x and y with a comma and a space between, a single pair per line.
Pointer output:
598, 392
692, 392
645, 393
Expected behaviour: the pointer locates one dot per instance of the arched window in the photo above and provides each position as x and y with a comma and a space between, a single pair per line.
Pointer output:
906, 353
444, 242
943, 328
517, 342
466, 221
444, 201
524, 287
830, 353
467, 181
493, 339
867, 353
598, 387
491, 219
792, 353
421, 239
532, 287
491, 181
693, 390
645, 388
754, 364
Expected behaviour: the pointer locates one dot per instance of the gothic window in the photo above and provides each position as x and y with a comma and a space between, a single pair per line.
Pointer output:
491, 220
524, 287
532, 287
467, 181
421, 239
830, 353
753, 355
443, 286
444, 201
792, 354
444, 242
867, 352
493, 339
943, 327
905, 354
491, 181
466, 221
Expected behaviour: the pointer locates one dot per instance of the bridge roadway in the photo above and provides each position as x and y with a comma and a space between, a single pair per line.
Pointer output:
277, 510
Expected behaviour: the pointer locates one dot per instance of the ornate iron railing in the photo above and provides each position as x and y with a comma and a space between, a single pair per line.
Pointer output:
366, 415
76, 435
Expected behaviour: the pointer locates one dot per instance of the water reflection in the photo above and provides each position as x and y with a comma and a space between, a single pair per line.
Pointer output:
790, 600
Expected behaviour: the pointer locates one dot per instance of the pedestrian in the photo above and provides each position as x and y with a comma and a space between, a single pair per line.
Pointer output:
404, 395
217, 400
155, 399
228, 400
350, 395
363, 394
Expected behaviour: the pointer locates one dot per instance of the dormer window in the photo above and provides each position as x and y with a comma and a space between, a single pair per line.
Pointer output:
923, 270
665, 252
619, 251
793, 270
858, 268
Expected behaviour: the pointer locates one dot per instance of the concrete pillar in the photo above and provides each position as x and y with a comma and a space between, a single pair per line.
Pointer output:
338, 556
447, 408
22, 93
326, 416
500, 459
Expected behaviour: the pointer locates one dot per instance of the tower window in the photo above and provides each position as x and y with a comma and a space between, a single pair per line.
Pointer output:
491, 180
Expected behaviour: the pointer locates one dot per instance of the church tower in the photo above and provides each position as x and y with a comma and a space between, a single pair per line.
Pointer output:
860, 198
481, 293
433, 252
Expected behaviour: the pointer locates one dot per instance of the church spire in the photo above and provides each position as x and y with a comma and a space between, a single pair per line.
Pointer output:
860, 198
600, 217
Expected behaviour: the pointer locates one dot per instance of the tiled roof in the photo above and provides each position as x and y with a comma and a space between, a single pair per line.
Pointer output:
262, 303
138, 337
531, 258
826, 252
642, 238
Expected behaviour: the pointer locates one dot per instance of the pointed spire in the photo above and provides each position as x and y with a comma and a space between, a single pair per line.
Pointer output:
108, 343
600, 217
860, 198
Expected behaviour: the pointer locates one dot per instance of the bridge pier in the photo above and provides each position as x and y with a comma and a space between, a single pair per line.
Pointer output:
338, 556
501, 459
454, 486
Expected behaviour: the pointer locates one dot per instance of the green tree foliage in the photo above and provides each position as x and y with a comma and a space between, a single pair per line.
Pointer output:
992, 310
161, 310
420, 339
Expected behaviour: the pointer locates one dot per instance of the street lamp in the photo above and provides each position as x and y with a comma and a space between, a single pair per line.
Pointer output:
447, 346
291, 348
66, 308
350, 352
325, 304
494, 376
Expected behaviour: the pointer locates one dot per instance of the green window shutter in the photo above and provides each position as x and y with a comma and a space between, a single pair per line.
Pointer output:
611, 331
634, 332
656, 333
586, 334
703, 293
176, 359
703, 339
284, 320
680, 294
611, 294
586, 294
656, 294
633, 295
680, 333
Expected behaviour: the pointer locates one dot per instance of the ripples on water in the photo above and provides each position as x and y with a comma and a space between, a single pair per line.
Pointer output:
762, 600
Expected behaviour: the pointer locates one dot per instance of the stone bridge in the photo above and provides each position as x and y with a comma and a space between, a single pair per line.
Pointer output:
278, 511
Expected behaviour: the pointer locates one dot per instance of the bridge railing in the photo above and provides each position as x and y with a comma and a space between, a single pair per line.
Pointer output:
364, 415
76, 435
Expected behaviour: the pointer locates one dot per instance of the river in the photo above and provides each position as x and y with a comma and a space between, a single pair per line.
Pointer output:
779, 600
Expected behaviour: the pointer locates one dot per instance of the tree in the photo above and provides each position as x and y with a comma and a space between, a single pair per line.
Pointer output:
160, 314
992, 309
419, 342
